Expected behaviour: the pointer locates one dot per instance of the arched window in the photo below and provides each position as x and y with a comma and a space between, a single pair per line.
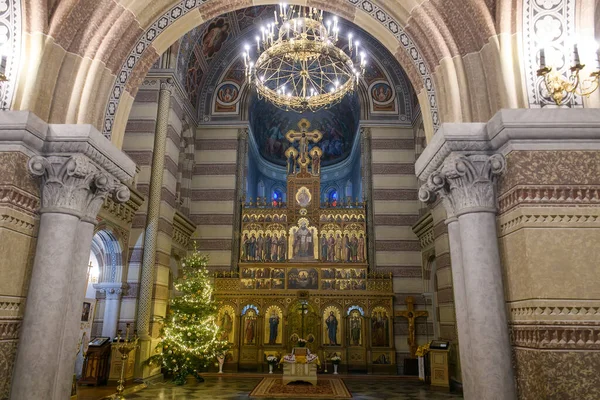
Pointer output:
332, 196
261, 189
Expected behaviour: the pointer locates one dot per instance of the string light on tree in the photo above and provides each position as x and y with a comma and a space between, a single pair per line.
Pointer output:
190, 335
299, 66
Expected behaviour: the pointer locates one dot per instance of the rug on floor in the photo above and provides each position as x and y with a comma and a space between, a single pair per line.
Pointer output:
331, 388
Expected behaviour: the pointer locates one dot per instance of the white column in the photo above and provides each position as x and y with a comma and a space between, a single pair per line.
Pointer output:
72, 192
467, 187
112, 307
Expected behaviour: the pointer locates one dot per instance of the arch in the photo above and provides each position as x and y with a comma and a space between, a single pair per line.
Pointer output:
107, 249
249, 307
355, 307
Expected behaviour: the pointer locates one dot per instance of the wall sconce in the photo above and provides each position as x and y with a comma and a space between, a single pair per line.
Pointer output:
558, 86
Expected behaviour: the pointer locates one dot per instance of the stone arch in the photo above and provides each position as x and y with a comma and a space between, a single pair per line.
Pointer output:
108, 250
115, 68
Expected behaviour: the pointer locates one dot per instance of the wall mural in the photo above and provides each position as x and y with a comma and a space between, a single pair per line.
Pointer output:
338, 125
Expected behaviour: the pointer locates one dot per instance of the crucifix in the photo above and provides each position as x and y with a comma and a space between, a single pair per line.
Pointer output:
303, 137
410, 314
303, 310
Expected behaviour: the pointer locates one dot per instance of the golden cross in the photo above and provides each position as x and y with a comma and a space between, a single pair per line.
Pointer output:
410, 314
303, 137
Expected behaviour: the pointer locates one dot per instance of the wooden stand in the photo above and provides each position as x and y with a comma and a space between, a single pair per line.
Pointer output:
95, 367
438, 364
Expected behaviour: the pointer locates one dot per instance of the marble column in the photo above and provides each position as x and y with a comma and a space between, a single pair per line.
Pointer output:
73, 190
112, 306
467, 187
153, 213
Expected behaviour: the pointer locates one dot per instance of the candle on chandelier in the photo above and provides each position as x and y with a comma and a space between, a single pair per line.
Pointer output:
356, 49
257, 44
328, 23
576, 59
275, 12
350, 42
542, 58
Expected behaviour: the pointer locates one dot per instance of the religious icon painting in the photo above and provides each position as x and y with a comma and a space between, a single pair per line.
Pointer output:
250, 328
332, 326
355, 326
273, 325
303, 278
86, 312
226, 321
380, 327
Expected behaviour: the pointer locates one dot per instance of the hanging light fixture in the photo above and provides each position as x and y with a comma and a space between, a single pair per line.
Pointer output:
298, 64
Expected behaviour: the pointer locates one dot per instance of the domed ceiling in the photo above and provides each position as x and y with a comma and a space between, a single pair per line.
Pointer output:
211, 69
338, 124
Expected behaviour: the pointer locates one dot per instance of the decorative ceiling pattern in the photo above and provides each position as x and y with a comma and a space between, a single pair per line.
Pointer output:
215, 82
185, 6
10, 41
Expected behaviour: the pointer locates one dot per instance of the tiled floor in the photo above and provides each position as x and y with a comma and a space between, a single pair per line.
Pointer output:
231, 387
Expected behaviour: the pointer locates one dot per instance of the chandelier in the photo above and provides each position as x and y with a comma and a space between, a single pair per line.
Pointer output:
298, 64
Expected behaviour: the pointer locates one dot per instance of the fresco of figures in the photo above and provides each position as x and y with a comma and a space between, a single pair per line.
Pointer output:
355, 327
332, 326
343, 279
342, 246
380, 327
226, 323
269, 246
303, 246
250, 326
273, 325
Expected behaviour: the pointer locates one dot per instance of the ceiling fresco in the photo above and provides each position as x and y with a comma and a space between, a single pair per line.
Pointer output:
339, 125
210, 68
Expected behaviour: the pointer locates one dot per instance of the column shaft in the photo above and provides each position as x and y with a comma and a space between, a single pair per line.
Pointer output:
153, 213
112, 308
460, 305
42, 345
489, 345
75, 296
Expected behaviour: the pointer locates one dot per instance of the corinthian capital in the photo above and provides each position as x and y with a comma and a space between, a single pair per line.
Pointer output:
74, 185
167, 84
465, 183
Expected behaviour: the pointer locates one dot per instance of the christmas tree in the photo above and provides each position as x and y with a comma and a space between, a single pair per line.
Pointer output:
190, 335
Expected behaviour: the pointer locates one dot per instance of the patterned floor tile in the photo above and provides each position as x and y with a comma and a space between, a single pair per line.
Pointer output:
232, 388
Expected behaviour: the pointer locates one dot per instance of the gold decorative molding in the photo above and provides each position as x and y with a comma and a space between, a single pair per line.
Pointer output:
19, 199
18, 221
554, 311
9, 329
11, 307
549, 195
558, 337
548, 217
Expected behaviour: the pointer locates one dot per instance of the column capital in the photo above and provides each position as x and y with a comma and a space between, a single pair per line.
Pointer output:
167, 84
75, 185
113, 291
465, 183
243, 133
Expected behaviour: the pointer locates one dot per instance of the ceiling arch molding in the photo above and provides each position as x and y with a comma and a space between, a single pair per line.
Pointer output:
68, 72
389, 32
204, 82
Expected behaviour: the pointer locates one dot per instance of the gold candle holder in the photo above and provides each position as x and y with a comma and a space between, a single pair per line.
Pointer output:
125, 347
